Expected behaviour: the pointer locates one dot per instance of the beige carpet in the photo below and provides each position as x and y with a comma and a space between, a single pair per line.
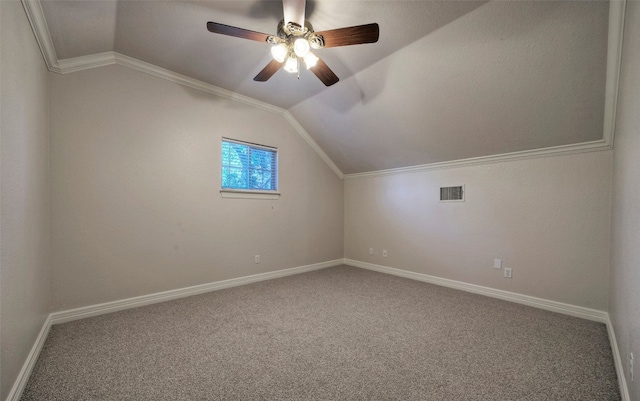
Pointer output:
341, 333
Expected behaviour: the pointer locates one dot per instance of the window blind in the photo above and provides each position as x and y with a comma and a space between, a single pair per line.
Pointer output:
248, 166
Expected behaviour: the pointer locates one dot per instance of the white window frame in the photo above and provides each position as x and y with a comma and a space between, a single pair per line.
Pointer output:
250, 193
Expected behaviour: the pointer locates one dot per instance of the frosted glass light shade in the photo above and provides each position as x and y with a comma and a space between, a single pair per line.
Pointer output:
310, 60
291, 65
301, 47
279, 52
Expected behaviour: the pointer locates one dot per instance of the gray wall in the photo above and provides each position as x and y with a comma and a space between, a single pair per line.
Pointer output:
24, 187
136, 207
546, 218
625, 252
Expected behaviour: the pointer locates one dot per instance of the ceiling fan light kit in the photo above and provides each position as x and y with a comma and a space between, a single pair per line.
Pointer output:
294, 41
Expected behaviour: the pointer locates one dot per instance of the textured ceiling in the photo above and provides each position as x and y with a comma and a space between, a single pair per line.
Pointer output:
447, 80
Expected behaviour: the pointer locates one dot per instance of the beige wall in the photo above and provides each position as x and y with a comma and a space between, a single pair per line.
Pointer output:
547, 219
136, 207
625, 251
135, 203
24, 187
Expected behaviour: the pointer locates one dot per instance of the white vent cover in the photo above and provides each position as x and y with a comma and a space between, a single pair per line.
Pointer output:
452, 194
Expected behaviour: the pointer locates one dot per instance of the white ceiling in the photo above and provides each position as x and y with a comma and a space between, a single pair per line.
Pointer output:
448, 80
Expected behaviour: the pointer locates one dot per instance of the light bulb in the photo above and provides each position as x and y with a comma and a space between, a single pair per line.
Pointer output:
291, 65
279, 52
301, 47
310, 60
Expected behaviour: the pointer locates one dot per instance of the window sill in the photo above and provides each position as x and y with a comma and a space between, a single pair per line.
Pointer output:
238, 194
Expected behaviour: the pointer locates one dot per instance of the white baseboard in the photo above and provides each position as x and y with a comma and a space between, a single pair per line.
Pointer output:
99, 309
617, 360
114, 306
108, 307
27, 368
567, 309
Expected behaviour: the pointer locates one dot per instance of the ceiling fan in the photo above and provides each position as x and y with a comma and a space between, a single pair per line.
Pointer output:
295, 38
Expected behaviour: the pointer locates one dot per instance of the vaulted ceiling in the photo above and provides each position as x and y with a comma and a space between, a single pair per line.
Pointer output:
448, 80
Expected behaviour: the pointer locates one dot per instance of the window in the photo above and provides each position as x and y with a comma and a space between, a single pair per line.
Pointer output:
249, 169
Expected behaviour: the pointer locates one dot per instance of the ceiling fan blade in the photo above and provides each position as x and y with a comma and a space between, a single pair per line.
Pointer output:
324, 73
294, 11
353, 35
237, 32
268, 71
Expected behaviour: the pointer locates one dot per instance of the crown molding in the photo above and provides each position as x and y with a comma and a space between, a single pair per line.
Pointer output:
76, 64
36, 17
304, 134
142, 66
103, 59
504, 157
184, 80
614, 60
33, 8
35, 14
68, 65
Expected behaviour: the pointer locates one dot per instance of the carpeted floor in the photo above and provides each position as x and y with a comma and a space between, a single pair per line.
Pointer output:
341, 333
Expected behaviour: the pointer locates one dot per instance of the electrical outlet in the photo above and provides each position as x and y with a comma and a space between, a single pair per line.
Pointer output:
631, 365
384, 253
507, 272
370, 251
497, 264
257, 258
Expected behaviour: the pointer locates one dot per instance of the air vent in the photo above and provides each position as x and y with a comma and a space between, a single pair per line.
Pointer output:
452, 194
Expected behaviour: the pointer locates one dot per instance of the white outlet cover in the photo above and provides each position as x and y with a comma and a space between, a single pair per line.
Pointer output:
370, 251
507, 272
497, 263
384, 253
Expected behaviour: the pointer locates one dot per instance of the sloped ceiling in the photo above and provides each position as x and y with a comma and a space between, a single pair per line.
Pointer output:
448, 80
